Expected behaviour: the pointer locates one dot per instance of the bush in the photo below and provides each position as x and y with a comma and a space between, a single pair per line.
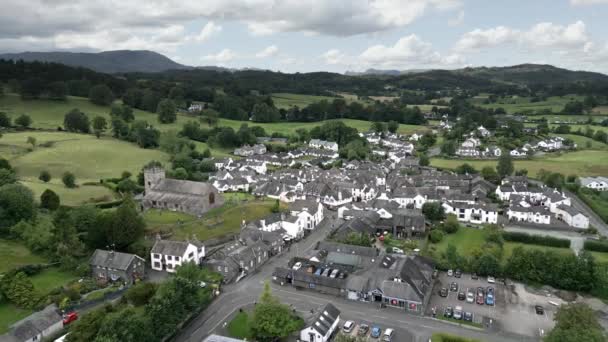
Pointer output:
441, 337
536, 239
49, 200
69, 180
436, 236
450, 225
596, 246
45, 176
141, 293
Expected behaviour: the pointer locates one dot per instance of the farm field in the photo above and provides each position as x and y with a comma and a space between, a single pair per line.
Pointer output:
581, 142
582, 163
568, 118
87, 157
520, 104
71, 197
216, 223
286, 100
14, 254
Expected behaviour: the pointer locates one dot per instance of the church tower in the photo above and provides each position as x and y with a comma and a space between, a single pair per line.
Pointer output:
153, 176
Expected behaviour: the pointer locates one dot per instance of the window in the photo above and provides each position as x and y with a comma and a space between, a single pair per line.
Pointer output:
219, 268
191, 255
211, 198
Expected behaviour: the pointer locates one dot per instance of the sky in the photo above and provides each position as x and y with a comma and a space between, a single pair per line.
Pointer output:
320, 35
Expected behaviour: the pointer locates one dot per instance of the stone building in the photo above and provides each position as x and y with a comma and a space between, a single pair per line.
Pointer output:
195, 198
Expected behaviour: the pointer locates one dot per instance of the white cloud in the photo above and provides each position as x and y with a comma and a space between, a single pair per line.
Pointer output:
270, 51
587, 2
333, 57
221, 57
209, 30
541, 35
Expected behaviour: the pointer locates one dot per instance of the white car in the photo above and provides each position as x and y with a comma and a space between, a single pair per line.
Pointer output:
470, 296
457, 312
397, 250
450, 273
348, 326
491, 280
297, 266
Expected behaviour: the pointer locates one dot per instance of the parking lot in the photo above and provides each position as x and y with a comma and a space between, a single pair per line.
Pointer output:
513, 310
399, 334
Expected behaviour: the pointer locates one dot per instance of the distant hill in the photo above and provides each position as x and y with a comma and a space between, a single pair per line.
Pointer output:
119, 61
369, 72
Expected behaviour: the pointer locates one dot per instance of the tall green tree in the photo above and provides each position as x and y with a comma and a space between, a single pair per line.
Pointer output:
576, 322
99, 125
128, 225
68, 179
76, 121
16, 204
433, 211
167, 113
49, 200
23, 121
505, 165
273, 320
101, 95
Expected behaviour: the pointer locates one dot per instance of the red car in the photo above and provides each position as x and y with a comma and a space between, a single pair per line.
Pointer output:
69, 318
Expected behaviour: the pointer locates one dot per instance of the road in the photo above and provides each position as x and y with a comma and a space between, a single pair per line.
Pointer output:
248, 290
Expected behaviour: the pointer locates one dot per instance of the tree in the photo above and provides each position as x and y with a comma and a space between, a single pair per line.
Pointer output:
273, 320
505, 165
575, 322
378, 127
489, 173
86, 328
101, 95
5, 120
393, 126
262, 112
49, 200
465, 169
4, 164
487, 264
123, 112
127, 226
32, 141
76, 121
450, 225
423, 160
448, 148
68, 179
276, 207
17, 203
436, 235
32, 88
45, 176
433, 211
166, 111
23, 121
7, 177
141, 293
125, 325
58, 91
19, 290
99, 125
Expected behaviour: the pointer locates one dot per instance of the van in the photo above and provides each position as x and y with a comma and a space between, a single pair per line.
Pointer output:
388, 335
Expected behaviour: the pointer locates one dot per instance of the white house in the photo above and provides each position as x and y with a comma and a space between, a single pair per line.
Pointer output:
538, 215
167, 255
471, 143
594, 183
518, 153
463, 151
232, 184
572, 216
477, 213
310, 213
415, 137
483, 132
322, 144
322, 325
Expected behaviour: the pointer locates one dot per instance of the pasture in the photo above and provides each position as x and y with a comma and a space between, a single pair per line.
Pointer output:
513, 105
581, 142
581, 163
286, 100
71, 197
14, 254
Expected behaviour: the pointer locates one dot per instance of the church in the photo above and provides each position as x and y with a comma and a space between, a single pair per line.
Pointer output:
195, 198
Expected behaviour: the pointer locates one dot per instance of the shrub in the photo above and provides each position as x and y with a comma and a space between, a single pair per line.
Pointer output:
69, 180
141, 293
45, 176
536, 239
436, 236
596, 246
49, 200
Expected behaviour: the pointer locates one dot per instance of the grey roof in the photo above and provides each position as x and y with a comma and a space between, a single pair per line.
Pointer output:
35, 323
347, 249
323, 321
399, 290
184, 187
343, 259
167, 247
300, 205
111, 259
570, 210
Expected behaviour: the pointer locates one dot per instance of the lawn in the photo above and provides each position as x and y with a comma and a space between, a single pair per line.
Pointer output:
216, 223
13, 254
89, 158
286, 100
597, 201
240, 327
10, 314
600, 257
582, 163
50, 279
522, 104
72, 197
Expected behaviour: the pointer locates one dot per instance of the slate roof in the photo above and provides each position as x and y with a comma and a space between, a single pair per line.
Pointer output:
570, 210
400, 290
110, 259
325, 319
167, 247
347, 249
183, 187
35, 323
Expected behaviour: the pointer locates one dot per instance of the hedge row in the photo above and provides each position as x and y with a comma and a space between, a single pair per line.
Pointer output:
596, 246
536, 239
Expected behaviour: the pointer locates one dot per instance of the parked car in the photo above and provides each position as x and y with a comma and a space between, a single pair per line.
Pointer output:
454, 287
480, 296
468, 317
334, 273
319, 271
297, 266
450, 273
490, 296
376, 331
348, 326
491, 280
363, 329
443, 292
539, 310
462, 296
474, 276
342, 275
448, 312
388, 335
457, 274
470, 296
457, 312
326, 272
69, 318
398, 250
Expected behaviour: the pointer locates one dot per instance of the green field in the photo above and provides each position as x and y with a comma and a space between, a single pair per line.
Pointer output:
568, 118
216, 223
286, 100
520, 104
87, 157
71, 197
601, 258
581, 142
14, 254
581, 163
50, 279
